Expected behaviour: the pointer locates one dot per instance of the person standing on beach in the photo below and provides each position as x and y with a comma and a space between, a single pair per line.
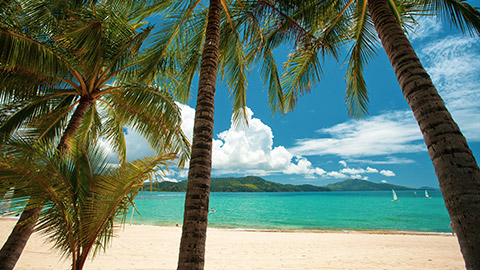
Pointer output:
451, 226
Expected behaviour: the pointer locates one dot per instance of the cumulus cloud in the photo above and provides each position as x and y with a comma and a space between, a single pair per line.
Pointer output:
384, 181
188, 118
335, 174
387, 173
250, 150
357, 171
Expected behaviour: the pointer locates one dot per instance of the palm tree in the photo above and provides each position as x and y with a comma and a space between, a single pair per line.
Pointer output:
334, 22
194, 230
209, 40
82, 192
71, 64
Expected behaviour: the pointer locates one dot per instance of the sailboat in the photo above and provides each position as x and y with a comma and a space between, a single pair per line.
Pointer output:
394, 196
426, 194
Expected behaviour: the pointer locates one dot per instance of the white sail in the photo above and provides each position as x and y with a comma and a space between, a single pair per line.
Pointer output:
394, 195
426, 194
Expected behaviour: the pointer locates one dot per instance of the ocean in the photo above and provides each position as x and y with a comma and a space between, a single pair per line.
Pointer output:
358, 210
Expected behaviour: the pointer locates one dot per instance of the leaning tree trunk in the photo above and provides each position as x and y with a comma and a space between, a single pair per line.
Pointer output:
194, 231
455, 166
13, 247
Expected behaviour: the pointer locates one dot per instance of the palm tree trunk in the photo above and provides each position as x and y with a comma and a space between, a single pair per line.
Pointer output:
13, 248
455, 166
194, 231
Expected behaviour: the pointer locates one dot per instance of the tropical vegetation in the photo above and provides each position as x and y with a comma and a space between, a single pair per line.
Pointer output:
61, 71
73, 72
328, 24
213, 39
83, 196
258, 184
235, 184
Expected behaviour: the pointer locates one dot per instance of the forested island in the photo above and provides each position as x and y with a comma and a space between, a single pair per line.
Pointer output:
258, 184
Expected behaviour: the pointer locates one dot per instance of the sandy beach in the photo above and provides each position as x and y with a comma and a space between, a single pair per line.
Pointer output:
154, 247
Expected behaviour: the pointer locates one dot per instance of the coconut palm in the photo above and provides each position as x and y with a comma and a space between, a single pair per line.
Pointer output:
358, 22
82, 192
209, 39
59, 82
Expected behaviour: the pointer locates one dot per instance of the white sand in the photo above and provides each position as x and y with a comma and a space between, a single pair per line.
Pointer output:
153, 247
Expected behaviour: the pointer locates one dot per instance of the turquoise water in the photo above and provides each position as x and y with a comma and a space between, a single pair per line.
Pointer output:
305, 210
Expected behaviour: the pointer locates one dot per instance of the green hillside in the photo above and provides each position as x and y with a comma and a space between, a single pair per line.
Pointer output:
242, 184
258, 184
362, 185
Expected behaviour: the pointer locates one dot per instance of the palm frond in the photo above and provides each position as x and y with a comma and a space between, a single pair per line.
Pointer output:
192, 55
459, 13
83, 194
113, 131
21, 52
154, 115
32, 112
233, 65
364, 36
302, 69
166, 39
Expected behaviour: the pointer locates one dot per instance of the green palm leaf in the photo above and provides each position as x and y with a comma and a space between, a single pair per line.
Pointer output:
363, 49
82, 192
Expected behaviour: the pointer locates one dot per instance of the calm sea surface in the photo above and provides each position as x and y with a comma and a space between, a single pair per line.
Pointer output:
373, 210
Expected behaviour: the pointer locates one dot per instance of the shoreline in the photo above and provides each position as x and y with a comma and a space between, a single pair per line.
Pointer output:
141, 247
329, 230
316, 230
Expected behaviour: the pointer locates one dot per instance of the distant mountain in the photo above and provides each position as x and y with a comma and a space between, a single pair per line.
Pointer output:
241, 184
362, 185
258, 184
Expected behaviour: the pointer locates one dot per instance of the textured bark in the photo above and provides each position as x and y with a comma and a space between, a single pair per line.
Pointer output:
13, 248
194, 231
455, 166
74, 123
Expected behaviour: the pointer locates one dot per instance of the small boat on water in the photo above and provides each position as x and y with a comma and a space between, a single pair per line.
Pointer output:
426, 194
394, 196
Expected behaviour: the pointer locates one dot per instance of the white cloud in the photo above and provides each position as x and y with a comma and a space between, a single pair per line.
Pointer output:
343, 163
357, 171
137, 146
168, 179
384, 181
387, 173
454, 69
336, 175
188, 118
383, 161
386, 134
452, 64
427, 27
249, 150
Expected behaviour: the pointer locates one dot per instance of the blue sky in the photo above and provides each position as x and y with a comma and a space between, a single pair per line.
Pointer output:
318, 143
